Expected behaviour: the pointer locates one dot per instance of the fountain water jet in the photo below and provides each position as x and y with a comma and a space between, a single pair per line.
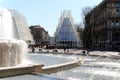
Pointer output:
13, 30
11, 47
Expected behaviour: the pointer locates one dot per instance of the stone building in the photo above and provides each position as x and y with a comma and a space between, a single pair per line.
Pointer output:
40, 35
102, 26
52, 43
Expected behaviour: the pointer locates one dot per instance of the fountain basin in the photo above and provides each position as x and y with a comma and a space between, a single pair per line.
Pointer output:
61, 67
11, 52
19, 70
37, 68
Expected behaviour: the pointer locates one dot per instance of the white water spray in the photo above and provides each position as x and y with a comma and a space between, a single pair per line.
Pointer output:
11, 47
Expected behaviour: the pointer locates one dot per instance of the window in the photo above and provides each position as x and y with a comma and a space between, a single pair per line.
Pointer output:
112, 23
112, 4
117, 4
117, 23
117, 12
113, 12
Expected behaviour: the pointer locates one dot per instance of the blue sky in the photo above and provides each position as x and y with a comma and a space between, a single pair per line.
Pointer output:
47, 12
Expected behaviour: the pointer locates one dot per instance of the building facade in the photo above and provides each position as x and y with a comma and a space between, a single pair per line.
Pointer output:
102, 26
52, 43
40, 35
80, 34
66, 35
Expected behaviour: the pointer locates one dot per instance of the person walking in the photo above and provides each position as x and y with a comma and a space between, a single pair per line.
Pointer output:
64, 50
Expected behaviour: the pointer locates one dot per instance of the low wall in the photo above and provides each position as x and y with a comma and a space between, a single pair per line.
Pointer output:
11, 71
60, 67
105, 56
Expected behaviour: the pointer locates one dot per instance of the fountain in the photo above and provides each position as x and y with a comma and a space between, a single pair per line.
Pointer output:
11, 47
11, 52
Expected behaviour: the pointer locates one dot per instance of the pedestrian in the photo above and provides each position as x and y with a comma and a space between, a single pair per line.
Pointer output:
83, 52
88, 51
67, 50
33, 49
64, 50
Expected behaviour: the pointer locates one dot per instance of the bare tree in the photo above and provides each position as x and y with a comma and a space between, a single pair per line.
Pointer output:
85, 11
